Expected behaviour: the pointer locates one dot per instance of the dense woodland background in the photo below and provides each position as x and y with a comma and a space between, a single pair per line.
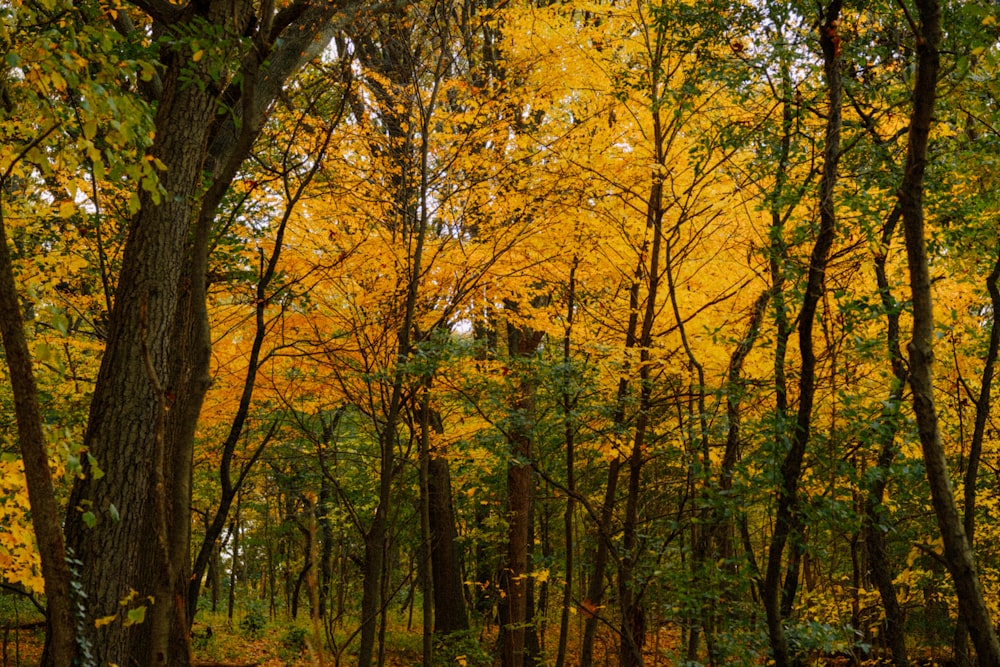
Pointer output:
570, 333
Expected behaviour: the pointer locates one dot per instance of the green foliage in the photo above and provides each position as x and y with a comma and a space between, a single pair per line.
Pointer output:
254, 621
294, 639
461, 648
85, 651
814, 639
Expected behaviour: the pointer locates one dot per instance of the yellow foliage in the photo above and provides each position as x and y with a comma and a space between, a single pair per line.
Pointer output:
19, 560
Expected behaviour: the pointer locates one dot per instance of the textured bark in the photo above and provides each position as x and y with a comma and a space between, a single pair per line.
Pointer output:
154, 372
957, 550
125, 430
450, 614
786, 520
522, 344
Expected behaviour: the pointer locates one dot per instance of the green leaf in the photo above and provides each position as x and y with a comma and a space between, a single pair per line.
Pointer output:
95, 470
89, 519
43, 352
90, 128
135, 616
113, 511
61, 323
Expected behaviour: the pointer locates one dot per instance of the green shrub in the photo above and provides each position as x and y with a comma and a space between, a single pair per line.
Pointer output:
461, 648
254, 621
295, 640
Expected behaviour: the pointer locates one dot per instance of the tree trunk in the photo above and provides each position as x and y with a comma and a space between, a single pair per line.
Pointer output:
983, 406
34, 455
567, 405
450, 614
522, 344
152, 378
327, 543
375, 546
957, 550
878, 559
596, 587
633, 623
787, 520
125, 433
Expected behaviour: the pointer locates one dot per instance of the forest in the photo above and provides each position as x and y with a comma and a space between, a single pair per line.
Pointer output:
499, 332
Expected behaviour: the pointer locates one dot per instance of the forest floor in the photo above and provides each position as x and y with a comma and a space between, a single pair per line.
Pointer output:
252, 639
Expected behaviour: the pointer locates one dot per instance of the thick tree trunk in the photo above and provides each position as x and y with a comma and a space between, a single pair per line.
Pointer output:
450, 614
513, 580
957, 550
522, 344
128, 410
153, 374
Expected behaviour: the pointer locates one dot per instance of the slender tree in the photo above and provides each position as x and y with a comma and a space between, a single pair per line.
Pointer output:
787, 521
957, 549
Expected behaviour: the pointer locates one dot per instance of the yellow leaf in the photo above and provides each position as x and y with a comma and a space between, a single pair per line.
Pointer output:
196, 56
105, 620
67, 209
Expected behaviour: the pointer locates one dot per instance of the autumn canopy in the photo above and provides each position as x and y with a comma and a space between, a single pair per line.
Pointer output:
500, 333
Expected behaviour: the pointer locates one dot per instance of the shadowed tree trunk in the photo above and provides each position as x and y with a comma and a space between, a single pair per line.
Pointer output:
450, 614
522, 343
957, 550
153, 375
34, 454
787, 519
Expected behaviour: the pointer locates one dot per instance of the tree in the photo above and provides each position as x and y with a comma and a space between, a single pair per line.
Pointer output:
957, 550
489, 266
41, 493
215, 57
787, 522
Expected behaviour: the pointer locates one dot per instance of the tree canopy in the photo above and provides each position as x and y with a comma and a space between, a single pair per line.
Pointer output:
644, 333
